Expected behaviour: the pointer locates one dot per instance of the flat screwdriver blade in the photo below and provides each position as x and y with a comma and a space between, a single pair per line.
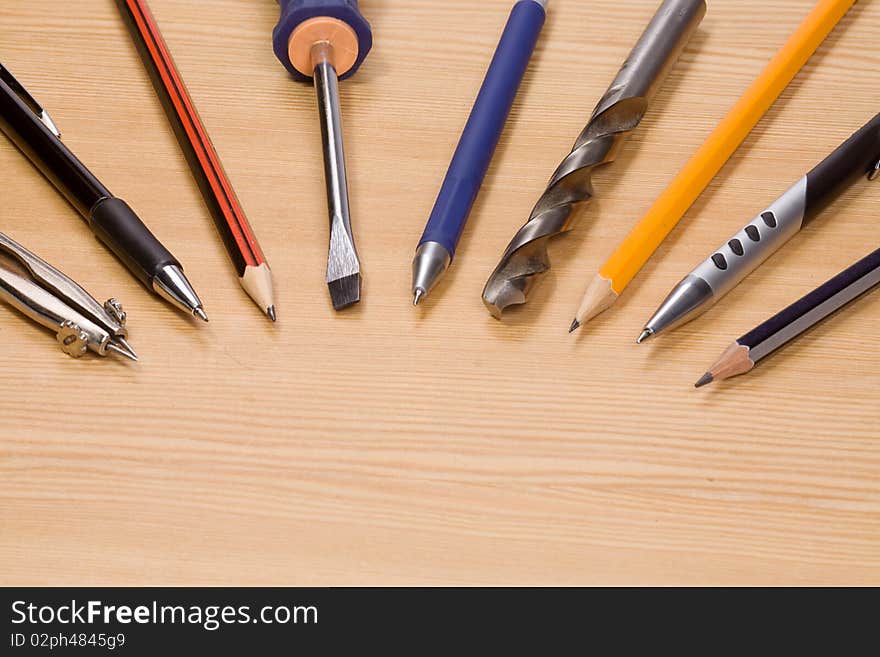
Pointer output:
345, 292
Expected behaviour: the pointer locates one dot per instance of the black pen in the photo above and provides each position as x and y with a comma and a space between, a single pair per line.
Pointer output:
765, 234
29, 127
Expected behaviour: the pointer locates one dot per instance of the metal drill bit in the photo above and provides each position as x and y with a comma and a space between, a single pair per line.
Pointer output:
617, 114
343, 266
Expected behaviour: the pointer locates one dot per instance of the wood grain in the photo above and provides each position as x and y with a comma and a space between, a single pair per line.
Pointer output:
387, 445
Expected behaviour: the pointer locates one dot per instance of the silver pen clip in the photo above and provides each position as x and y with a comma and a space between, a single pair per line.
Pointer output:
59, 303
29, 100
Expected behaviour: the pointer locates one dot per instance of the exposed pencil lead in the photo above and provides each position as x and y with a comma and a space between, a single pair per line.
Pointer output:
575, 325
270, 311
705, 380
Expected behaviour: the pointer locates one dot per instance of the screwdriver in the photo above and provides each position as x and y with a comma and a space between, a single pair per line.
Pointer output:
326, 41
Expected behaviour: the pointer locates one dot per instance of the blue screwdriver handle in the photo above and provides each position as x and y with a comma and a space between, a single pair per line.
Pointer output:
485, 125
296, 12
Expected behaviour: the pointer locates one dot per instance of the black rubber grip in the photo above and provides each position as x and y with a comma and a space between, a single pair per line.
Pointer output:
851, 160
117, 226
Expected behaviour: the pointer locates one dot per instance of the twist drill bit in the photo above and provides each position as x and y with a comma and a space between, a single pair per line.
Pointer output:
617, 114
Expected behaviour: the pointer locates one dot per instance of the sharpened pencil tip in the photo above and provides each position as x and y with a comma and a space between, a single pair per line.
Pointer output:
575, 325
270, 311
705, 380
417, 296
647, 333
200, 313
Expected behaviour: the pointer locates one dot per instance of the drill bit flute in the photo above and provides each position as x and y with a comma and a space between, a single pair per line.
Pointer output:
326, 40
617, 114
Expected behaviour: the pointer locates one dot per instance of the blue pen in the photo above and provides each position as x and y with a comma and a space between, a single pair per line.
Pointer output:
477, 145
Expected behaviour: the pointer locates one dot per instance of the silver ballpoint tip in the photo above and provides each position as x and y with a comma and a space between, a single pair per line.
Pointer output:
417, 296
270, 311
647, 333
171, 284
705, 380
122, 351
575, 325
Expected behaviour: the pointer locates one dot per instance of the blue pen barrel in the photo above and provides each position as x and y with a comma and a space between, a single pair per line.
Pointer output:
485, 125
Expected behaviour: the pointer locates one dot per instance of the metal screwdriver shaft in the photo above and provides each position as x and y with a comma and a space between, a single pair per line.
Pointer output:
327, 40
343, 266
617, 114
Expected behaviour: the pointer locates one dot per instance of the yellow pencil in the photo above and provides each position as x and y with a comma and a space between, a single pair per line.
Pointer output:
655, 225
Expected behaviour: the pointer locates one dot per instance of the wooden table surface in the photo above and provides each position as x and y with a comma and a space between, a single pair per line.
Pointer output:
393, 445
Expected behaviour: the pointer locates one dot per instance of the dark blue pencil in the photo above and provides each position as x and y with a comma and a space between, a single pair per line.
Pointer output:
803, 314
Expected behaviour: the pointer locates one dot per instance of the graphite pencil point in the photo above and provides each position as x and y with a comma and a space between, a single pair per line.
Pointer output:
575, 325
705, 380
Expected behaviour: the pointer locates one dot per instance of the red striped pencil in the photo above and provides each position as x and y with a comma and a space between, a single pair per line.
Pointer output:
250, 263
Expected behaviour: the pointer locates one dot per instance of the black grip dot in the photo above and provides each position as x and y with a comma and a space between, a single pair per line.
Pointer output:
769, 219
719, 261
752, 232
736, 246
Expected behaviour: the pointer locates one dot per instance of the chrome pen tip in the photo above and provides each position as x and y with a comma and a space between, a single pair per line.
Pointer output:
575, 325
705, 380
431, 261
270, 311
647, 333
200, 313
